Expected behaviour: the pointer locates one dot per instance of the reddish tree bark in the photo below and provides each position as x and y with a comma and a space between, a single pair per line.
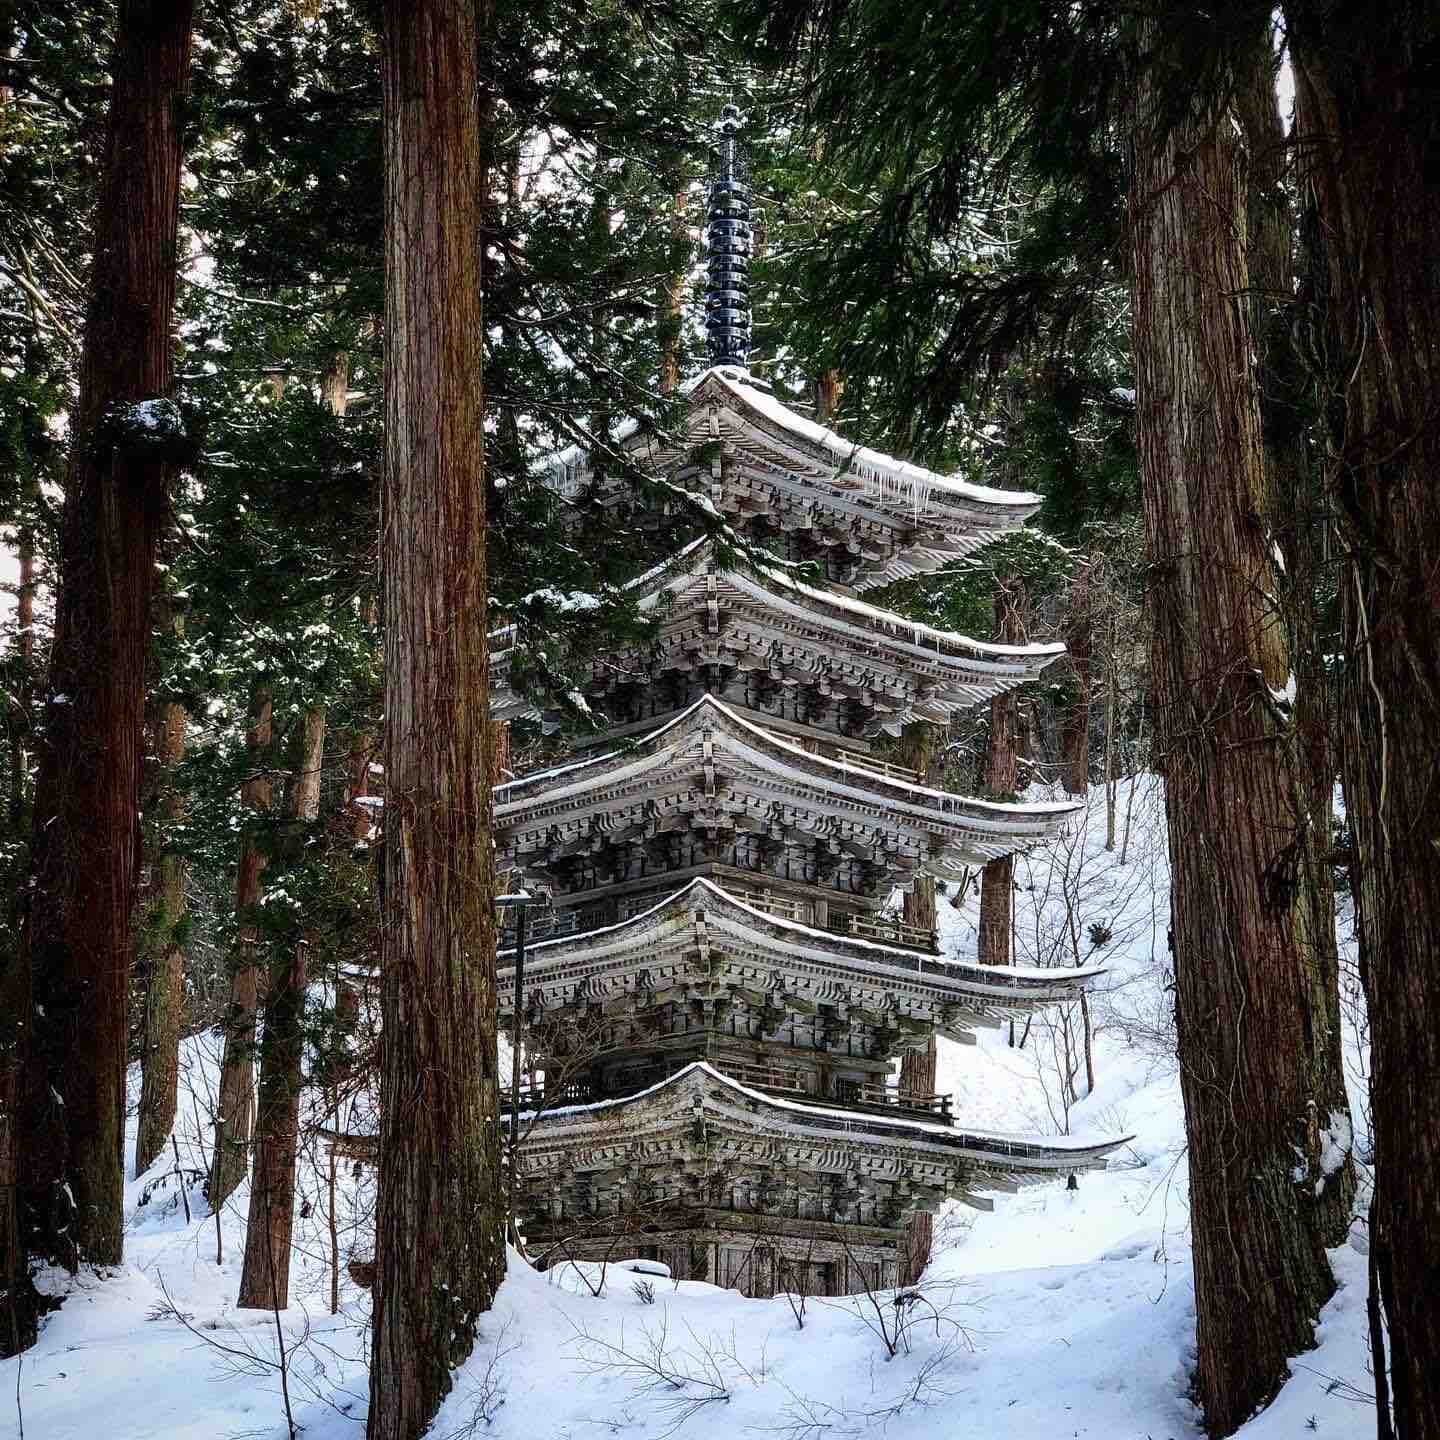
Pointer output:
997, 879
235, 1105
1238, 919
439, 1255
917, 1067
1370, 126
85, 856
162, 953
1299, 517
265, 1273
1075, 722
829, 387
674, 304
20, 1303
360, 815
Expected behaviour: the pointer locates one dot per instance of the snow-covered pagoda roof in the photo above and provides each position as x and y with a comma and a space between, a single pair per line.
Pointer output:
658, 1127
704, 935
767, 468
711, 769
913, 485
759, 617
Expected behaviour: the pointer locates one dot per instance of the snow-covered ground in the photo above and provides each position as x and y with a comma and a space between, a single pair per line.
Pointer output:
1061, 1314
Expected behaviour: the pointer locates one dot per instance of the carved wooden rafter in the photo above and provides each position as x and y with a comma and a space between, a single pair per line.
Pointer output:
713, 774
699, 1134
703, 936
724, 625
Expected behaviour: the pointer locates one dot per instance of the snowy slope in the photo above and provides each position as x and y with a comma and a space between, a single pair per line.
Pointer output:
1061, 1314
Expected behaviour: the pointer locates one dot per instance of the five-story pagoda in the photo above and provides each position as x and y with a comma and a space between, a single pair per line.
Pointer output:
722, 992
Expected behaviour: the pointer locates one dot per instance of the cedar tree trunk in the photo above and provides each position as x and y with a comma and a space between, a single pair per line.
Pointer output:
997, 879
85, 857
162, 952
1075, 722
674, 301
1370, 119
1243, 995
439, 1255
19, 1301
1299, 519
829, 387
917, 1067
235, 1107
265, 1275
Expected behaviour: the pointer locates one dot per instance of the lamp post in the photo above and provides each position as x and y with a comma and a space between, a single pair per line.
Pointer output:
520, 902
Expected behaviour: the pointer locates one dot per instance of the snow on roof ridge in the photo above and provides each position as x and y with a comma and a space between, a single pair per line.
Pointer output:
673, 571
1058, 1144
553, 771
952, 637
850, 773
987, 972
853, 453
1041, 807
900, 623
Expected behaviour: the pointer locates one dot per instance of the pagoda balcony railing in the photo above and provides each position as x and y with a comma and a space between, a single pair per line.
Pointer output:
779, 1080
550, 923
548, 1096
849, 1094
886, 929
775, 902
853, 760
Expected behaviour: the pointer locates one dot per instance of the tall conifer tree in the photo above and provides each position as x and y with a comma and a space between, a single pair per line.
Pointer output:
439, 1255
947, 123
1369, 115
125, 440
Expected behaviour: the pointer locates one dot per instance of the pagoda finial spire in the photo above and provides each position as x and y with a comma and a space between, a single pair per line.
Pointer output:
728, 246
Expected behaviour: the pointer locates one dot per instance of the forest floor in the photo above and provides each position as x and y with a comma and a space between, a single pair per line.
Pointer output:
1062, 1314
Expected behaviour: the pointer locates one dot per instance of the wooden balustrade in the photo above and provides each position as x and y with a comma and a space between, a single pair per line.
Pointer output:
773, 902
853, 760
937, 1105
767, 1077
772, 1079
543, 923
885, 929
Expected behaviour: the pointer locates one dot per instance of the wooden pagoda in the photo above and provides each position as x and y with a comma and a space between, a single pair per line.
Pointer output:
716, 1000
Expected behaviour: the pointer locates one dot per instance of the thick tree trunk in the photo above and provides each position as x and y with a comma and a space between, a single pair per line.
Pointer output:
235, 1107
360, 817
917, 1067
829, 387
18, 704
997, 879
85, 855
1075, 722
335, 384
917, 1077
1112, 697
674, 303
1371, 130
439, 1256
265, 1274
1238, 920
19, 1301
1299, 519
162, 952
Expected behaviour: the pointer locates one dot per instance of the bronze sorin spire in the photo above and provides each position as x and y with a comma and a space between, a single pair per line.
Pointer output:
728, 242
